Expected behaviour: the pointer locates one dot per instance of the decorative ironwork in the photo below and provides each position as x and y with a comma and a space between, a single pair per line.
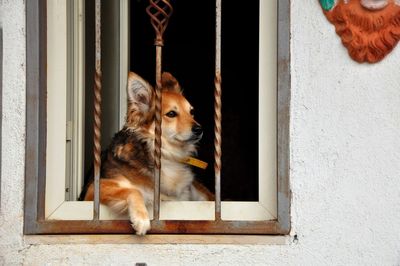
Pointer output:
34, 214
97, 113
217, 113
159, 11
217, 145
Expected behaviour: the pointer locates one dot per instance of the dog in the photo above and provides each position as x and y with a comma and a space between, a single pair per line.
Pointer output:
127, 174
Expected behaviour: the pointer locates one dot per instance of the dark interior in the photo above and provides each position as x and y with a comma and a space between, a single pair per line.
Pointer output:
189, 54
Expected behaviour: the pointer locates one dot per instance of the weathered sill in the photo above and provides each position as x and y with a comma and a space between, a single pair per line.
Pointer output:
157, 239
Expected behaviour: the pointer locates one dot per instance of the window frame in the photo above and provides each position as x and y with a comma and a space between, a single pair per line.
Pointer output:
65, 37
35, 168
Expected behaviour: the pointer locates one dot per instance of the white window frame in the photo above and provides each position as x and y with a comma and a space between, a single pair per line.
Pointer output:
59, 209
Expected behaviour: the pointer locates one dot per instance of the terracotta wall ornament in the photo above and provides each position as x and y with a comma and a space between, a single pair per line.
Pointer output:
369, 29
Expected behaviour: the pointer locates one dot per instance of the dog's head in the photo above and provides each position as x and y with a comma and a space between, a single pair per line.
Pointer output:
178, 124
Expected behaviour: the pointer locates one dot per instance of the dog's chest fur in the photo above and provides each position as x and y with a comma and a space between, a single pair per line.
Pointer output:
176, 179
131, 156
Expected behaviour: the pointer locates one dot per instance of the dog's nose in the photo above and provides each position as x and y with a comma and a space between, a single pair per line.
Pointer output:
197, 130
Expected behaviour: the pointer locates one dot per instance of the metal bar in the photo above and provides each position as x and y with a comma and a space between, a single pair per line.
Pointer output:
217, 113
159, 11
157, 141
97, 113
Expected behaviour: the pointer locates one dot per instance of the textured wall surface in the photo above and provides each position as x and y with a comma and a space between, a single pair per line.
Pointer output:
345, 162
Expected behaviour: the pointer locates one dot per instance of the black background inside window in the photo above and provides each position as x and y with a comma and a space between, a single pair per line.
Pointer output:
189, 54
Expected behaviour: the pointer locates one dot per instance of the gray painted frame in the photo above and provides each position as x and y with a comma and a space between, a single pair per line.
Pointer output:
35, 154
1, 99
35, 161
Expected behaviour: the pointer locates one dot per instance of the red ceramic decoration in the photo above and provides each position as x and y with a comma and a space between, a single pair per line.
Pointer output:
369, 29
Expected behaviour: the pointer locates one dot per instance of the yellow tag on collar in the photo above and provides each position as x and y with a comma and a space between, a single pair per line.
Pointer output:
195, 162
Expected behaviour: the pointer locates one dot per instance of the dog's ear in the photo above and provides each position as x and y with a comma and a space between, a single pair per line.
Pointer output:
140, 96
170, 83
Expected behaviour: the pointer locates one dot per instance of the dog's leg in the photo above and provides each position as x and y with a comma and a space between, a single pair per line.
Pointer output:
138, 212
122, 198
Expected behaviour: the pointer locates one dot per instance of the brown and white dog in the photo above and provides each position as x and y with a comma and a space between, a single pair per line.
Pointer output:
127, 180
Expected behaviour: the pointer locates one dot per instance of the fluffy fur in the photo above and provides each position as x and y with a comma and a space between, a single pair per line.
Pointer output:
127, 180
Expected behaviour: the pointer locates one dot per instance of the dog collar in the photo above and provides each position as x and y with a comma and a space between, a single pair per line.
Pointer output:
195, 162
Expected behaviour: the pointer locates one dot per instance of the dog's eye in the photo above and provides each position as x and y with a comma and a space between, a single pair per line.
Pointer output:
192, 112
171, 114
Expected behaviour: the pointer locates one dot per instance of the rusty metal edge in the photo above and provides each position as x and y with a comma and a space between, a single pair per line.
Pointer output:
35, 156
283, 123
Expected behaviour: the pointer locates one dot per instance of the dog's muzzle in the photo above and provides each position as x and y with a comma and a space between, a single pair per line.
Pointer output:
197, 133
197, 130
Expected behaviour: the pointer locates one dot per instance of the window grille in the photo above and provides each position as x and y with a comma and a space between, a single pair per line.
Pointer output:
35, 222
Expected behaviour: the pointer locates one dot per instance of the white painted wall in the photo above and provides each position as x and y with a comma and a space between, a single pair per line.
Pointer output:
345, 162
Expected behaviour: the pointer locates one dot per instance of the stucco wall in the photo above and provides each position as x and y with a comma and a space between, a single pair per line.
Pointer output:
345, 162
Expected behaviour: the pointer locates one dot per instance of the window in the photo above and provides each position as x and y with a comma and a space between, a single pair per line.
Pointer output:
56, 158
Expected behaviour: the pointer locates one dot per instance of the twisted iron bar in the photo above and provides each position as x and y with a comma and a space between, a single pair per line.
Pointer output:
217, 113
97, 113
159, 11
159, 16
217, 144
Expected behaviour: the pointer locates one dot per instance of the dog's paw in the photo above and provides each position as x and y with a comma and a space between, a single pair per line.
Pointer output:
141, 225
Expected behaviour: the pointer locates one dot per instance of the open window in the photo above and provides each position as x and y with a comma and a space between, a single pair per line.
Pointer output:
255, 100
